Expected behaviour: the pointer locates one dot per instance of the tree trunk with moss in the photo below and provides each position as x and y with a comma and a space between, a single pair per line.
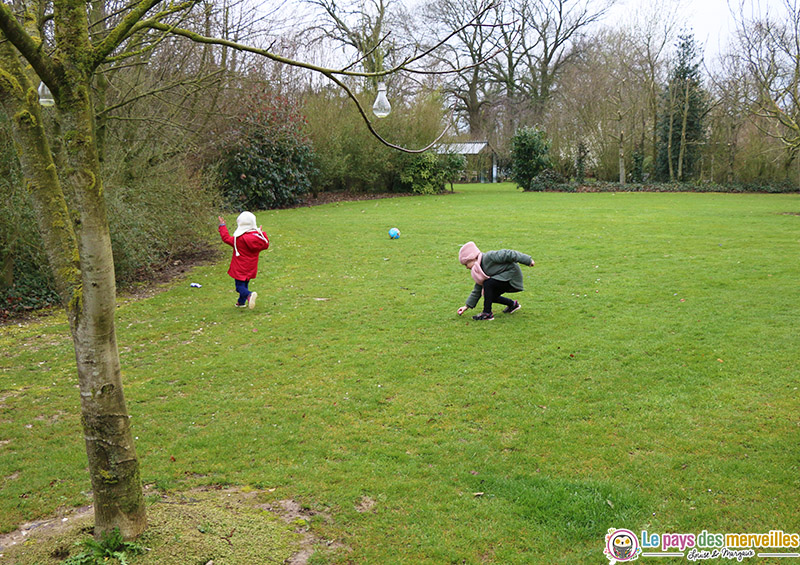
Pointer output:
112, 457
78, 247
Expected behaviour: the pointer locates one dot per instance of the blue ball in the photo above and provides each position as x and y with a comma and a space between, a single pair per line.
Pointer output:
394, 233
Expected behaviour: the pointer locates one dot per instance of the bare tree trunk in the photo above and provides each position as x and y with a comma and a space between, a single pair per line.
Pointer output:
731, 161
669, 135
474, 107
791, 155
684, 122
621, 157
654, 132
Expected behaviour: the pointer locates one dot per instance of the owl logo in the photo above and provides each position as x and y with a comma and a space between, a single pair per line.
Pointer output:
621, 545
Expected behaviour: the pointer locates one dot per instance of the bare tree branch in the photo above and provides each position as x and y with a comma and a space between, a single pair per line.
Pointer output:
121, 31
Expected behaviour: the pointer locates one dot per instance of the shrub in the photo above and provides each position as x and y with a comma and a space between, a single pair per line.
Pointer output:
422, 174
268, 161
427, 173
26, 282
348, 155
453, 166
156, 211
162, 213
529, 156
549, 179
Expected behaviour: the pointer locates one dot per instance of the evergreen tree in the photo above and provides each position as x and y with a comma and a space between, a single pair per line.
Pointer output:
683, 108
529, 155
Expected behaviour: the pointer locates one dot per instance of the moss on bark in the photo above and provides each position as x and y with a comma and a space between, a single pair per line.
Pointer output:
83, 266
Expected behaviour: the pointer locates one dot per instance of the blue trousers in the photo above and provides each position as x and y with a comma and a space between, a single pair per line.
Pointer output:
244, 292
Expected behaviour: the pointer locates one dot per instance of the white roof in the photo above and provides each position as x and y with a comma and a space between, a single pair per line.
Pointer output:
463, 148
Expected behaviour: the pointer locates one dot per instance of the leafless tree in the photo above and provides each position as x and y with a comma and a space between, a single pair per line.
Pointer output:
654, 29
371, 29
601, 102
549, 32
465, 54
769, 52
729, 116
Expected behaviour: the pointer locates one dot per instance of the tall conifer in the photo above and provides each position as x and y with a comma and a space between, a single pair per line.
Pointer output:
684, 105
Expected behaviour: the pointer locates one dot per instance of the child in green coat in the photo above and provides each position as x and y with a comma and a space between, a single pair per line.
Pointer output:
495, 273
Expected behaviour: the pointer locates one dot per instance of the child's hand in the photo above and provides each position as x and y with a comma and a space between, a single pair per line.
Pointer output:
221, 220
533, 262
462, 310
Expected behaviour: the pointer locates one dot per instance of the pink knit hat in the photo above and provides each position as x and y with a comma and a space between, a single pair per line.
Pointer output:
468, 252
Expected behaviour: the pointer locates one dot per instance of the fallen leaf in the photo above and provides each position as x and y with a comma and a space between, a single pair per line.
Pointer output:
720, 360
476, 494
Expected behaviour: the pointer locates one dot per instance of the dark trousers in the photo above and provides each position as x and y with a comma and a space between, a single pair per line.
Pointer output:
493, 291
244, 292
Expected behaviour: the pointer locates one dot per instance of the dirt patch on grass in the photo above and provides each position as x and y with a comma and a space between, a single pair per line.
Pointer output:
366, 504
11, 542
299, 518
224, 526
153, 281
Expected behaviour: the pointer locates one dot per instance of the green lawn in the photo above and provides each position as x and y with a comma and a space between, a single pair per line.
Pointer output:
650, 381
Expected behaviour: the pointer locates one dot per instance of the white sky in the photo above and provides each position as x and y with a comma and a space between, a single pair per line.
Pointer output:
711, 21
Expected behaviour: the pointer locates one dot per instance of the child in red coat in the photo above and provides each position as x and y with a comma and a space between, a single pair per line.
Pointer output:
248, 241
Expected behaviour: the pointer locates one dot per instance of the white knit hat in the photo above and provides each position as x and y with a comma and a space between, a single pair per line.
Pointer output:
246, 222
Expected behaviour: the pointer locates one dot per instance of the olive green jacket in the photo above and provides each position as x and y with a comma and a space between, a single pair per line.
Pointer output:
502, 266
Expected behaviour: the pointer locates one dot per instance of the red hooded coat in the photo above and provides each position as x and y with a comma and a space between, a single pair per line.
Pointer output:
244, 265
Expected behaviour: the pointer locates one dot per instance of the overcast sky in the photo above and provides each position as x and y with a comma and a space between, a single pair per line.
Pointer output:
711, 20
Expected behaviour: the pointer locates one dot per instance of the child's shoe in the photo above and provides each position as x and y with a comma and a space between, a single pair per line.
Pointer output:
484, 316
513, 308
251, 300
240, 305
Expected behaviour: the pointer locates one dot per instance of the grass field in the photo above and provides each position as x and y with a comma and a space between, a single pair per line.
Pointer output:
650, 381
